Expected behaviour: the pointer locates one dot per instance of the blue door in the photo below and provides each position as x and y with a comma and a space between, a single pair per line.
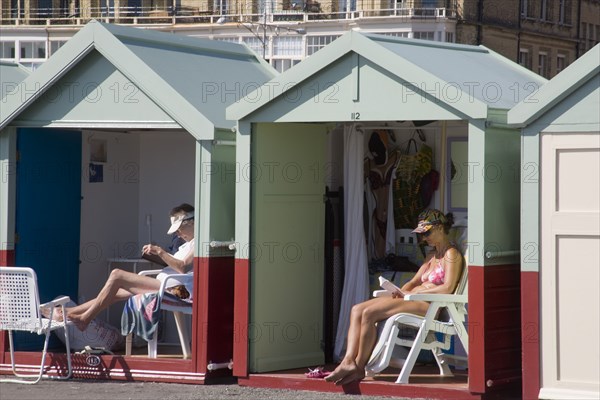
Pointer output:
48, 208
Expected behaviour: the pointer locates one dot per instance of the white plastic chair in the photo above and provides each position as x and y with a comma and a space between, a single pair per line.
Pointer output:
427, 326
178, 308
20, 310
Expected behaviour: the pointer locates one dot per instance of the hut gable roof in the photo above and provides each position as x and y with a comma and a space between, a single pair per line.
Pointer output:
583, 74
189, 81
466, 80
11, 74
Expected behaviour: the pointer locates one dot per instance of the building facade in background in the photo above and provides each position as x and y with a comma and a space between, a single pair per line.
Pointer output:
543, 35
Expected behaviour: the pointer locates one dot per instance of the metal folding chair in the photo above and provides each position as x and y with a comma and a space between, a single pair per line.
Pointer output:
20, 310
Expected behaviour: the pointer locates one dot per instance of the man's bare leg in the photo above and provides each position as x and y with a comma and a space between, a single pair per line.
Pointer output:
120, 286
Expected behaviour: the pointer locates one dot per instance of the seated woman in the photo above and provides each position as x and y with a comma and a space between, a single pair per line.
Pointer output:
121, 285
439, 273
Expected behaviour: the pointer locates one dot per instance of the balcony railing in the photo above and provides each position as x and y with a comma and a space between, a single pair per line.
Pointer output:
193, 15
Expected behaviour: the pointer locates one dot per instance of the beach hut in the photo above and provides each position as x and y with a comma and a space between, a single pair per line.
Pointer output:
96, 146
560, 233
308, 128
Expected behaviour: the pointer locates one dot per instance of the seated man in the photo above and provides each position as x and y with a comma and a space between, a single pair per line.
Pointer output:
121, 285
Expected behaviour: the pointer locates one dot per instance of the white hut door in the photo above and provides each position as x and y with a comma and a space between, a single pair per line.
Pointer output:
569, 272
286, 255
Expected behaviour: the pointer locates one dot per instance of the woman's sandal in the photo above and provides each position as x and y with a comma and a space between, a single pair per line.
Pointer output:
318, 373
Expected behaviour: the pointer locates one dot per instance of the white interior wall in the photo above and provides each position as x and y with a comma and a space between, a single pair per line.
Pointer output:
166, 180
458, 129
109, 209
167, 161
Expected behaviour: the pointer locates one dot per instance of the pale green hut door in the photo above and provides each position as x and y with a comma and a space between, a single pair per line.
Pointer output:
286, 254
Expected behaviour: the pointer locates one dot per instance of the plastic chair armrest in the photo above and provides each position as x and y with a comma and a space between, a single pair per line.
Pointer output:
440, 298
150, 272
56, 302
163, 284
381, 293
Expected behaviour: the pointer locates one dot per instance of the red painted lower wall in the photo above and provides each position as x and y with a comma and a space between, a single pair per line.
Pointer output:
241, 318
7, 258
530, 321
494, 328
213, 333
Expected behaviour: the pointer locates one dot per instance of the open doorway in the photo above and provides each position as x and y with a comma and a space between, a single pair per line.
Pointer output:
311, 159
87, 201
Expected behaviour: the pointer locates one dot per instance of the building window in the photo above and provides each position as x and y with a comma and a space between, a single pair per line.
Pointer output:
528, 9
33, 50
589, 36
423, 35
394, 34
564, 12
561, 62
524, 58
230, 39
255, 44
543, 64
316, 43
220, 6
450, 37
55, 45
289, 46
544, 10
592, 36
7, 50
524, 8
582, 38
284, 64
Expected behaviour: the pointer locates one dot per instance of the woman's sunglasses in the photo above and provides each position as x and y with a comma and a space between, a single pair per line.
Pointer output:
427, 233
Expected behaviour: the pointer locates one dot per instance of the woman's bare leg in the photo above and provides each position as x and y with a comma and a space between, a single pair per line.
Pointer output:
120, 286
371, 311
348, 365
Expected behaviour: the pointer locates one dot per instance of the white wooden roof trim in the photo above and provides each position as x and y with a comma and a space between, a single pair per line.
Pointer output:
557, 89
